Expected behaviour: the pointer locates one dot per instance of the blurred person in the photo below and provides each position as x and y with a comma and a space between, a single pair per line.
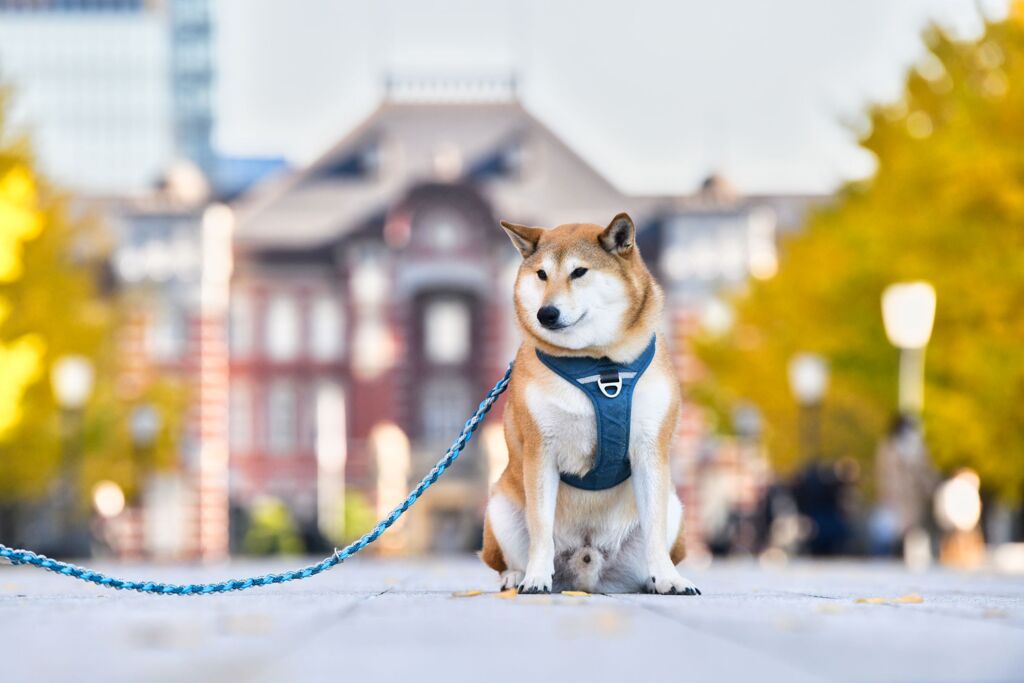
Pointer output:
851, 502
719, 500
778, 520
820, 493
906, 483
743, 534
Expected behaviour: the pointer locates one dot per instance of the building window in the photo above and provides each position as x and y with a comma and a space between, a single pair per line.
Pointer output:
442, 230
241, 324
732, 255
764, 261
306, 418
326, 328
373, 349
281, 328
281, 417
444, 405
446, 331
167, 332
240, 415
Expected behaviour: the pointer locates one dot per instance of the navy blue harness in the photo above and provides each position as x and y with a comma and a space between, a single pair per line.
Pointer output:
609, 386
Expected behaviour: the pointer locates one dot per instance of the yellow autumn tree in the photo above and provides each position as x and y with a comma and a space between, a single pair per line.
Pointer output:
51, 267
946, 205
21, 358
48, 308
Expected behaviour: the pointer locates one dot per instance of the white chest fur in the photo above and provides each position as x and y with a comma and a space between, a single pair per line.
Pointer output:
565, 417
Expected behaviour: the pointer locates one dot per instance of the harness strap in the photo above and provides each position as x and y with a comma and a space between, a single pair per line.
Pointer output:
609, 386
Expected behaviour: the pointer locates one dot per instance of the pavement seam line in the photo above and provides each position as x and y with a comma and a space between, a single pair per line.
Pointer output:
265, 669
670, 616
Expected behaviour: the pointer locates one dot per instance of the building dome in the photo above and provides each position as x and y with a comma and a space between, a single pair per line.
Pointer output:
717, 190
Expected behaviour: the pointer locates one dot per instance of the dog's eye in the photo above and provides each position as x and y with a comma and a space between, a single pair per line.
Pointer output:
542, 275
579, 272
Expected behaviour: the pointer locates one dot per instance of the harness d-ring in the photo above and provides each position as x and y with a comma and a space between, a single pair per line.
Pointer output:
610, 383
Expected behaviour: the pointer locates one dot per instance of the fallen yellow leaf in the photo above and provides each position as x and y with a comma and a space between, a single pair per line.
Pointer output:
537, 599
830, 609
507, 594
609, 621
910, 598
576, 594
466, 594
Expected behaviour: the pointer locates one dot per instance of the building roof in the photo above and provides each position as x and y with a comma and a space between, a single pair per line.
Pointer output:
454, 130
430, 134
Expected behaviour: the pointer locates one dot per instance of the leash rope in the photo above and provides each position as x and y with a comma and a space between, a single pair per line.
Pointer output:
18, 556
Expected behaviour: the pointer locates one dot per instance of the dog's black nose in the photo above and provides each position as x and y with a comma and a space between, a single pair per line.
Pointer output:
548, 316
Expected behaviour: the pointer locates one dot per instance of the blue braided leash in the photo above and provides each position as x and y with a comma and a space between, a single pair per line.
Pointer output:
28, 557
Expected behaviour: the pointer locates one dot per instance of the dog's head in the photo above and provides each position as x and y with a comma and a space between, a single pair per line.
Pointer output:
580, 286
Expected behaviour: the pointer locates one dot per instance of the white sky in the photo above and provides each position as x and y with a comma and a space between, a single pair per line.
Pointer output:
655, 94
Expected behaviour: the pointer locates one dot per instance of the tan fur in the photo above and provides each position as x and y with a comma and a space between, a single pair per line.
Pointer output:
589, 246
491, 553
678, 552
645, 296
668, 428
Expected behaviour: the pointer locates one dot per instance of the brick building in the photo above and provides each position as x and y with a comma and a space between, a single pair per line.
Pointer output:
370, 307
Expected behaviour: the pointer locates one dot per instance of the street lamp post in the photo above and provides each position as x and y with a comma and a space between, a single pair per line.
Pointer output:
808, 380
72, 379
908, 312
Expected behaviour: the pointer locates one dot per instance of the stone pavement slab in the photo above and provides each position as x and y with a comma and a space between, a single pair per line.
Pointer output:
385, 620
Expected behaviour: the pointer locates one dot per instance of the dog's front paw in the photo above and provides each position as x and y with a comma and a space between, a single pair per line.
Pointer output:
671, 583
511, 578
535, 584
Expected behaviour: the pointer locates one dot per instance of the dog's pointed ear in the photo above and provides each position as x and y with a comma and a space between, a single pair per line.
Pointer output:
619, 236
524, 238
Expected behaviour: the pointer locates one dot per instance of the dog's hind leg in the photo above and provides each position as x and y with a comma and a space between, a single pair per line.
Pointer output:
627, 572
506, 541
491, 553
676, 532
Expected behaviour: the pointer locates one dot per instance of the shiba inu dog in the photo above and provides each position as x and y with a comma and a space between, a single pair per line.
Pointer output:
586, 501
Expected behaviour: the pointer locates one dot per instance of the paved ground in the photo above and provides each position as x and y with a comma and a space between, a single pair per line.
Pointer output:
380, 620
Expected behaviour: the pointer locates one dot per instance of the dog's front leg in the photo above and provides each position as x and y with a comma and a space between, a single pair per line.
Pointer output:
540, 481
651, 482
